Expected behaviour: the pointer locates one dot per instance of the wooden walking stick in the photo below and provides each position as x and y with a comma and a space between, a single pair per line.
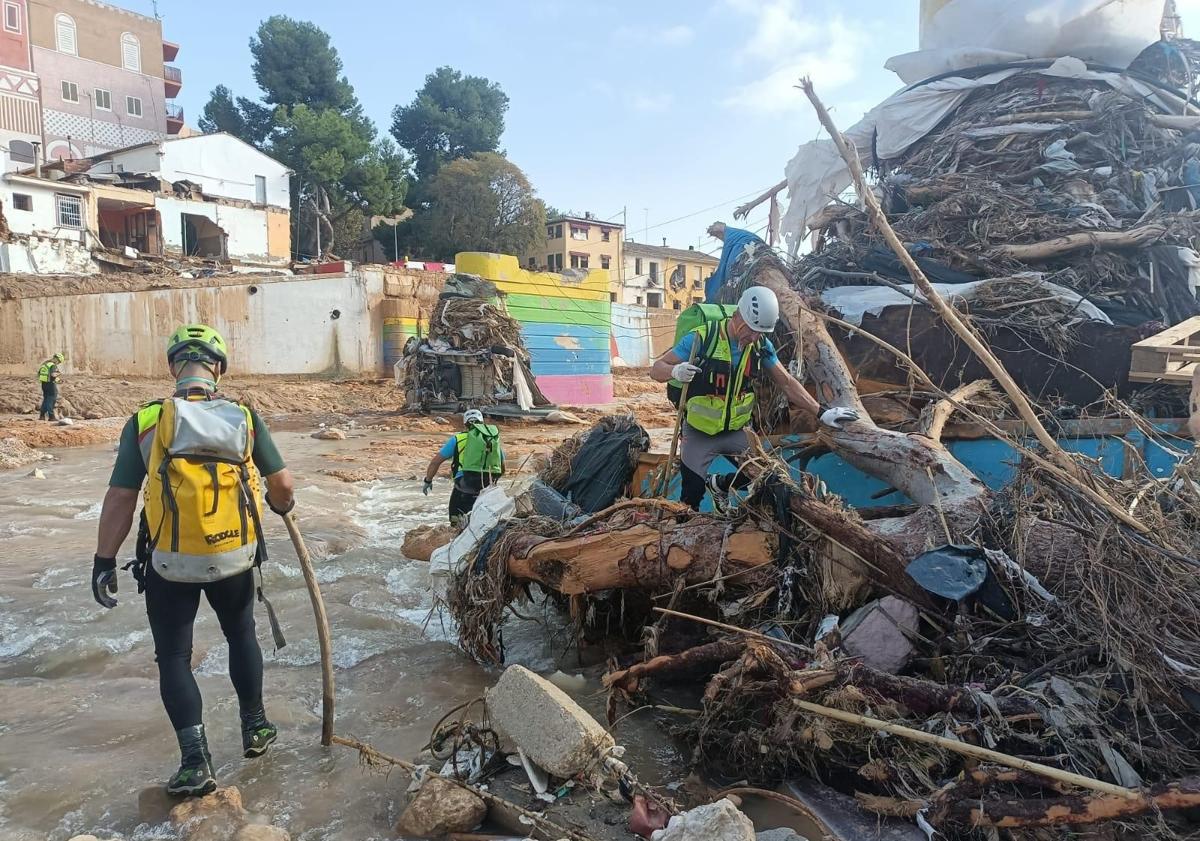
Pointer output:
664, 484
323, 637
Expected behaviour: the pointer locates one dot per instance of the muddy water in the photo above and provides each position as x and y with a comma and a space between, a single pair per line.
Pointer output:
82, 729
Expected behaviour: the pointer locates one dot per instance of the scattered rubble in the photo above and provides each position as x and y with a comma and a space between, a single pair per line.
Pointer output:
16, 453
720, 821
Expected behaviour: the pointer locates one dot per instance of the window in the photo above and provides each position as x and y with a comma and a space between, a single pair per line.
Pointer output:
554, 262
640, 300
654, 299
637, 266
604, 234
653, 272
133, 106
21, 201
554, 231
69, 210
605, 261
103, 99
612, 297
131, 52
531, 263
70, 92
260, 189
579, 261
675, 305
696, 300
64, 34
579, 232
12, 17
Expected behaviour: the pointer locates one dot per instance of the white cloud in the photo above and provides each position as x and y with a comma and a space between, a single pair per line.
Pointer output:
786, 47
651, 102
671, 36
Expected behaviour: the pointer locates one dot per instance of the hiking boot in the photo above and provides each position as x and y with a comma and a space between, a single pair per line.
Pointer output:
718, 491
258, 734
195, 775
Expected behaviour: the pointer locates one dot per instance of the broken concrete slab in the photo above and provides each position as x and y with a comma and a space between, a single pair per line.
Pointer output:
720, 821
552, 730
879, 632
439, 808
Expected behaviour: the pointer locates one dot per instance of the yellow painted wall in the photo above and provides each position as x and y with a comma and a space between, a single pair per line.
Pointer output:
594, 246
694, 270
504, 271
279, 233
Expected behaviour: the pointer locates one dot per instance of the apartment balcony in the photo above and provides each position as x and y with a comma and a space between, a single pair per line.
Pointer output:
170, 50
173, 80
174, 118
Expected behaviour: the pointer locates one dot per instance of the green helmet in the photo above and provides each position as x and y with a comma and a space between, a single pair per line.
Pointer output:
59, 357
199, 343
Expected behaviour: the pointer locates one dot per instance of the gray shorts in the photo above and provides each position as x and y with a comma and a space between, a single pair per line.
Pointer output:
698, 450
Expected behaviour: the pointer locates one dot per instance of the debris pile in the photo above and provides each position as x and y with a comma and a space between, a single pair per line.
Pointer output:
474, 355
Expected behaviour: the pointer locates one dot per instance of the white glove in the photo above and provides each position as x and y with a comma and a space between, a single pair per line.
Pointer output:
684, 372
836, 416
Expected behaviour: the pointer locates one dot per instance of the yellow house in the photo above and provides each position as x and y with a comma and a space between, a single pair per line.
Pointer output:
581, 242
657, 276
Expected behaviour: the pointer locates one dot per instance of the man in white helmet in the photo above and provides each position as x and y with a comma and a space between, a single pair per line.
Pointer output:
476, 460
731, 355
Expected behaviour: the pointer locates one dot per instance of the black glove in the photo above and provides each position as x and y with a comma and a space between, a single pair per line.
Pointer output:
282, 512
427, 487
104, 581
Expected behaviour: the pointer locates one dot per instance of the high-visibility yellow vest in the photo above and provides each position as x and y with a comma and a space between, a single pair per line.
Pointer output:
721, 399
46, 372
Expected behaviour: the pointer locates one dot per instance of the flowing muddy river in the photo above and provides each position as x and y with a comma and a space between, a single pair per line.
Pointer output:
82, 730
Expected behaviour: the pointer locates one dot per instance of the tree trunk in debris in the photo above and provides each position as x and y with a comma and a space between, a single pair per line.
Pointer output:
639, 556
1075, 809
703, 660
917, 465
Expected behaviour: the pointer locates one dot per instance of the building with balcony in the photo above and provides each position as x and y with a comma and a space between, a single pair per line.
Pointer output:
20, 110
657, 276
581, 242
104, 77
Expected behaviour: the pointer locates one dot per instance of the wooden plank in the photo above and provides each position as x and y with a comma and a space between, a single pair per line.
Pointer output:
1172, 335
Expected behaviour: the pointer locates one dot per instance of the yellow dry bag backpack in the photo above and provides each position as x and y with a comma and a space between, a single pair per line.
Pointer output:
202, 492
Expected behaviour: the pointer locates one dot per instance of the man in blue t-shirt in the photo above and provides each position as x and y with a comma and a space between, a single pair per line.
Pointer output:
476, 460
721, 361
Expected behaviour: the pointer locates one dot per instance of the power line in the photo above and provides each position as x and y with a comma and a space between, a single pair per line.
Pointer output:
702, 210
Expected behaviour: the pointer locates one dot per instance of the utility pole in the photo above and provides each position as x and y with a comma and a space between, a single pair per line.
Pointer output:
646, 225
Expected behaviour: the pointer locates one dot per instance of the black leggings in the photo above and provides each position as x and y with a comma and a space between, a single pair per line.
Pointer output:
466, 490
172, 608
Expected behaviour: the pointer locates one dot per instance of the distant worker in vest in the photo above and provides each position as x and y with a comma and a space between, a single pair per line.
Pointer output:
476, 460
728, 357
48, 376
203, 459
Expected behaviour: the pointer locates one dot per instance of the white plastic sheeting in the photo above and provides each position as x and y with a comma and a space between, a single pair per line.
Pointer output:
817, 173
956, 34
493, 505
853, 302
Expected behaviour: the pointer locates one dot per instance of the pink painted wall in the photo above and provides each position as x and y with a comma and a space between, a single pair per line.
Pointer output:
93, 130
14, 46
583, 390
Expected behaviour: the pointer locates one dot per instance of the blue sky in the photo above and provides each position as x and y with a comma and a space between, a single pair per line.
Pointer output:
666, 108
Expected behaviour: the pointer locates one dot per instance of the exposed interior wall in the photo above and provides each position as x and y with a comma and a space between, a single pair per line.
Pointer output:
46, 255
248, 230
279, 234
313, 324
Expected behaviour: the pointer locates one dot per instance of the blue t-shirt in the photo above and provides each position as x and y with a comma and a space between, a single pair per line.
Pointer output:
451, 446
766, 350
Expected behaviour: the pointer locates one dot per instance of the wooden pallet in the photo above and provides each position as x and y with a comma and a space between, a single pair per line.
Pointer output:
1169, 356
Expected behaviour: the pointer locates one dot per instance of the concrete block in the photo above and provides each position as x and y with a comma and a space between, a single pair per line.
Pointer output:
720, 821
543, 721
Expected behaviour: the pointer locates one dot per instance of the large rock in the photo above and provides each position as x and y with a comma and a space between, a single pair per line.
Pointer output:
330, 434
420, 542
214, 817
439, 808
552, 730
720, 821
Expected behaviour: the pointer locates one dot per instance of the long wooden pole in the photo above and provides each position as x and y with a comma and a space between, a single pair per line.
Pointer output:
951, 317
323, 636
732, 629
664, 485
966, 749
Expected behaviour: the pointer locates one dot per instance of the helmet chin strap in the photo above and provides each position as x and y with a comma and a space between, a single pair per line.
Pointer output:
203, 382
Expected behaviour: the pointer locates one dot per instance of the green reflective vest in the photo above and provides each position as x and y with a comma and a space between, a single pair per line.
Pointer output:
721, 399
478, 450
47, 371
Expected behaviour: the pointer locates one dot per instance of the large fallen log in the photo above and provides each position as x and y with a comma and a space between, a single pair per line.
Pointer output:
639, 556
1073, 810
701, 659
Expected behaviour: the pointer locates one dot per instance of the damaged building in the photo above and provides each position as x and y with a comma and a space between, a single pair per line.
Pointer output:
207, 198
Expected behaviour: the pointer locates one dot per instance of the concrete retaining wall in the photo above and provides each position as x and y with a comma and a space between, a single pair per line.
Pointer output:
274, 325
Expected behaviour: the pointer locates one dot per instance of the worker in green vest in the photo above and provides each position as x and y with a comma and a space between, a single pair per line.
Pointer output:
729, 356
476, 460
48, 377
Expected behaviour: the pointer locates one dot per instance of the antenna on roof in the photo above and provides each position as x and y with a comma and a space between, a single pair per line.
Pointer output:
154, 3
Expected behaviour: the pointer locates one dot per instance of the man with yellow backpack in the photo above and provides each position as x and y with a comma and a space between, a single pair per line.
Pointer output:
48, 377
201, 458
722, 361
476, 460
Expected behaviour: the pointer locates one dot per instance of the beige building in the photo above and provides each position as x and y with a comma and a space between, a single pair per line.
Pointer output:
657, 276
581, 242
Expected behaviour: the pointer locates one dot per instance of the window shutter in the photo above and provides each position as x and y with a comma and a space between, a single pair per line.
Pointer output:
65, 34
131, 53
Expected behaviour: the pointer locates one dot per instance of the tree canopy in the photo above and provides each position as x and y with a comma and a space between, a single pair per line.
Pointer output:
296, 64
453, 116
480, 203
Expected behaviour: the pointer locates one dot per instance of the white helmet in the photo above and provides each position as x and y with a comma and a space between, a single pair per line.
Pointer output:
759, 307
472, 416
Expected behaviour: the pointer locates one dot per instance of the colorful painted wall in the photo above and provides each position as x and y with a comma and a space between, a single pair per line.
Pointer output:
566, 323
